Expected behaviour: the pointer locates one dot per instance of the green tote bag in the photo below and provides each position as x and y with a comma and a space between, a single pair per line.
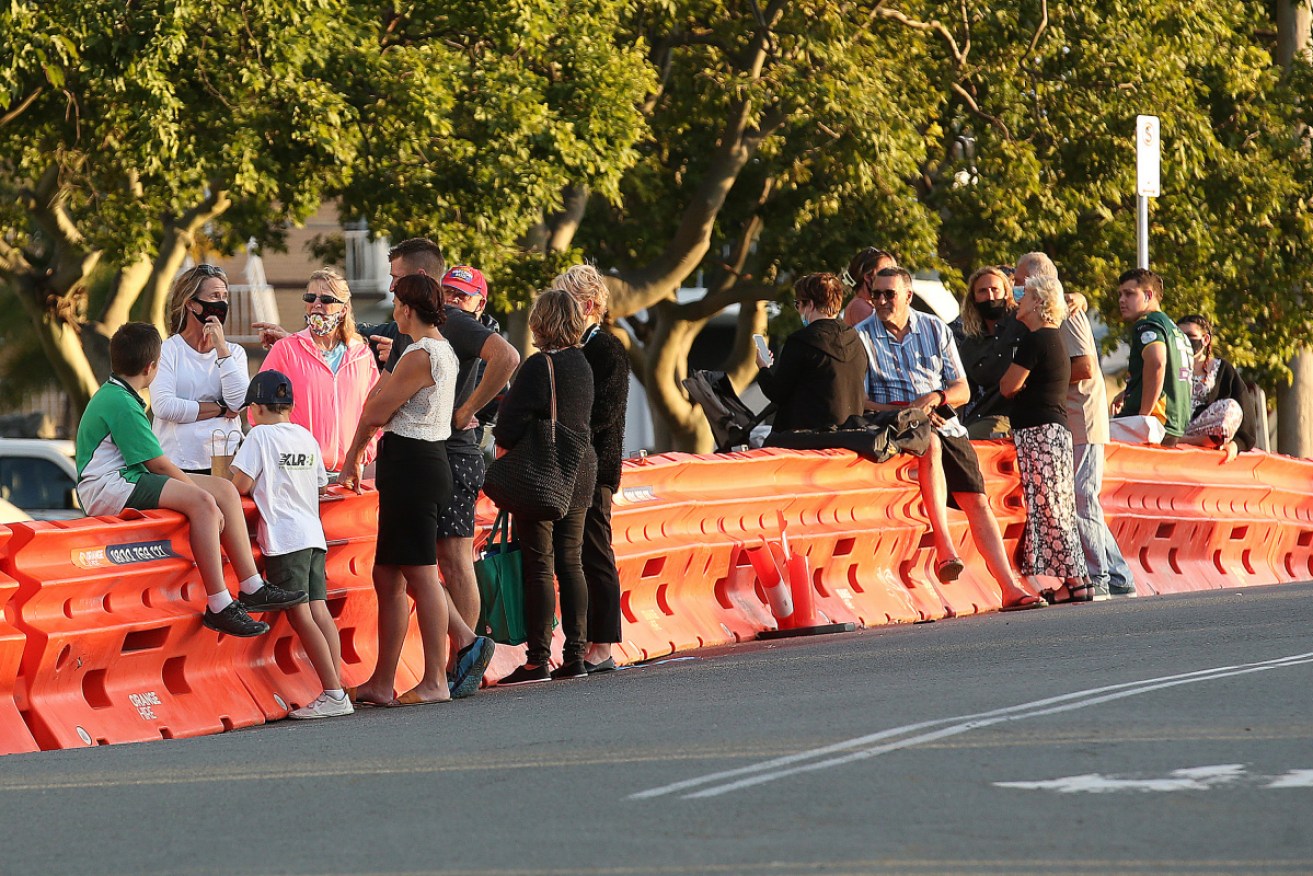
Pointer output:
500, 573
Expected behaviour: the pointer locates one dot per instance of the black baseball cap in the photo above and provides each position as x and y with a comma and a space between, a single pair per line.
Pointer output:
269, 388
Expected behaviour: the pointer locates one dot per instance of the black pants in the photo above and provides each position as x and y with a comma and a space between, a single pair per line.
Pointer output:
554, 549
600, 571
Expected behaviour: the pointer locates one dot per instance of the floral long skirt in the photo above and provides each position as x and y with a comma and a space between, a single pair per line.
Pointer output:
1051, 544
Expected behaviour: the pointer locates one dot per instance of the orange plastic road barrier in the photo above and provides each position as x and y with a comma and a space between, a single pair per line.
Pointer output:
14, 735
115, 652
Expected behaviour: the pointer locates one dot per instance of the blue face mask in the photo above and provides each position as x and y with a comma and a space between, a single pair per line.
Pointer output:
1018, 292
805, 321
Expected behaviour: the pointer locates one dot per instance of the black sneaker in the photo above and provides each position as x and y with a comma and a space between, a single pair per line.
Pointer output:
271, 597
234, 621
571, 669
525, 675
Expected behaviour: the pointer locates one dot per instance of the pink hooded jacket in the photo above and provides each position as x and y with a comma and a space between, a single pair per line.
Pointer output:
326, 404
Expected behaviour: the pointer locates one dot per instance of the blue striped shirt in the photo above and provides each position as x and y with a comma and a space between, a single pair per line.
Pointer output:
922, 362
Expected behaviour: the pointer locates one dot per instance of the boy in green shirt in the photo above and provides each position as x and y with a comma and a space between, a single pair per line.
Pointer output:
1159, 382
120, 465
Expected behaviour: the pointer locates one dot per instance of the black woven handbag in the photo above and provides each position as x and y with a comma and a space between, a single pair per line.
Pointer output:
535, 479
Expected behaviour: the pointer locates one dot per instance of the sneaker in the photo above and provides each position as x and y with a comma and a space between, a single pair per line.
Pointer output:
271, 597
1101, 593
1122, 592
234, 621
471, 662
572, 669
324, 706
525, 675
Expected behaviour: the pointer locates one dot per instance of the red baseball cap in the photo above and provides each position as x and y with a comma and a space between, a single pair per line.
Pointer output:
465, 279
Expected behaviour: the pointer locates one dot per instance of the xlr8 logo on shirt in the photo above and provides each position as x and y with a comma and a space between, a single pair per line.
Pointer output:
296, 460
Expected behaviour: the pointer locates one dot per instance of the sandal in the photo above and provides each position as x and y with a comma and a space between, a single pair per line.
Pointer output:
1083, 592
949, 570
1025, 603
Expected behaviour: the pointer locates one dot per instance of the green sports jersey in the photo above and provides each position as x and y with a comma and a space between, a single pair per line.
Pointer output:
114, 434
1174, 404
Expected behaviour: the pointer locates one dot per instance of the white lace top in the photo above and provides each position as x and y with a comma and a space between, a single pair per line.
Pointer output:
426, 415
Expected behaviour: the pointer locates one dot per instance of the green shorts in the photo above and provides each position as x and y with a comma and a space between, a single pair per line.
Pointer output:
146, 493
299, 570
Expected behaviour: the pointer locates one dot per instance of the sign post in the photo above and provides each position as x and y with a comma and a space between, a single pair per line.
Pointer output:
1148, 163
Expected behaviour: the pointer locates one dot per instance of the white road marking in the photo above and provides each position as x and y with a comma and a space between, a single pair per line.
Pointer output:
1195, 779
794, 764
1293, 779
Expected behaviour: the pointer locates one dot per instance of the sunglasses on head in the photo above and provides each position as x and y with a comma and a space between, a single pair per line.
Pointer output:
311, 298
210, 271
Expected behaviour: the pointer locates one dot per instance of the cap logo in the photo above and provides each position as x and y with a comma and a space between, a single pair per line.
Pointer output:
462, 274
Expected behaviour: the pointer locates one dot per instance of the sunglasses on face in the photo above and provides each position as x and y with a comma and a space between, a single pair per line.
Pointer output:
889, 294
311, 298
210, 271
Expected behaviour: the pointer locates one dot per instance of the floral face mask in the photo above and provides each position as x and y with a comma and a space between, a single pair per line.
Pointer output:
323, 324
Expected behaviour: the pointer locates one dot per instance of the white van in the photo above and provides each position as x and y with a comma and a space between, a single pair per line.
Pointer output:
39, 477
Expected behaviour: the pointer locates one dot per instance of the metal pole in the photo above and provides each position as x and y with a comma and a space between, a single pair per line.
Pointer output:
1142, 231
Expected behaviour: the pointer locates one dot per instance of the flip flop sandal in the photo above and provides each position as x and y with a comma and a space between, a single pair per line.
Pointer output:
364, 702
1025, 603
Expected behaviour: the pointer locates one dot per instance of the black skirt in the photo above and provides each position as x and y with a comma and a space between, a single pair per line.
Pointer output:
414, 486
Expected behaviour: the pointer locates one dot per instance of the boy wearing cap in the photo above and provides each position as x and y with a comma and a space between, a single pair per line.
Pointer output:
121, 465
279, 465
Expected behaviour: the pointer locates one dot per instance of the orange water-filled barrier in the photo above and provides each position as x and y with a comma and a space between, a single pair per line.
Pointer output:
101, 640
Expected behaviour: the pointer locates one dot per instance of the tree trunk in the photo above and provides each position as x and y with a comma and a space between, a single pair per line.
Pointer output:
1295, 400
681, 424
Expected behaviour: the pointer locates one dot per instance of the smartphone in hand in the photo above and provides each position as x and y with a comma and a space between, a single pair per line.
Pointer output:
763, 349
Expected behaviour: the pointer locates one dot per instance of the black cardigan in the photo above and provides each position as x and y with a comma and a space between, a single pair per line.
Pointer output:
1230, 385
529, 399
819, 380
610, 364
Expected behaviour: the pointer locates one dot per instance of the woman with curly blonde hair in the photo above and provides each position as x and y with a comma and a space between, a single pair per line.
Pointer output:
1037, 383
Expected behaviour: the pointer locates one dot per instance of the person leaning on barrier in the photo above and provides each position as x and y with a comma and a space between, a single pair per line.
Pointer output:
330, 366
987, 333
1221, 399
1158, 386
202, 378
1087, 419
861, 270
915, 363
553, 548
819, 380
610, 363
1037, 381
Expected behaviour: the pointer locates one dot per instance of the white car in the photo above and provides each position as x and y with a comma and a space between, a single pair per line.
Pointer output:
39, 477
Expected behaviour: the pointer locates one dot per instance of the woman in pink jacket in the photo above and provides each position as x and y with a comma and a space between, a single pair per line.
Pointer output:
330, 365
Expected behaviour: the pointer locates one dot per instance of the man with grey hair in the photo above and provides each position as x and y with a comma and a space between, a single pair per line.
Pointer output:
1087, 418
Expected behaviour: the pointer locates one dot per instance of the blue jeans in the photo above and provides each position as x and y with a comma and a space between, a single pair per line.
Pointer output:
1104, 558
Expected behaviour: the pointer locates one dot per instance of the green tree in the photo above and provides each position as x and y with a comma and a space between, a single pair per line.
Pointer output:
131, 130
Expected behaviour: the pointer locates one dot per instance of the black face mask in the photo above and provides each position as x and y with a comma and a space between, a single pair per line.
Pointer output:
991, 309
211, 308
1197, 344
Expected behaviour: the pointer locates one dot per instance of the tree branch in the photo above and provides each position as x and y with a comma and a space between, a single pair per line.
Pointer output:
1039, 32
980, 113
21, 108
933, 26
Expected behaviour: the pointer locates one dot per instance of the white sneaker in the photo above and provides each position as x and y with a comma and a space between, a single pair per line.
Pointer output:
324, 706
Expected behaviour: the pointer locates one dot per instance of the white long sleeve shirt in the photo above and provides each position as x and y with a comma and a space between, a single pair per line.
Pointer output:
186, 378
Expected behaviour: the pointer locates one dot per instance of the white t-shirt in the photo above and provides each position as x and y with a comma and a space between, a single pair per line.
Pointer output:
284, 461
185, 379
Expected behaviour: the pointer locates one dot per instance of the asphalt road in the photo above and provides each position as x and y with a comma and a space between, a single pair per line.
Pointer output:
1158, 735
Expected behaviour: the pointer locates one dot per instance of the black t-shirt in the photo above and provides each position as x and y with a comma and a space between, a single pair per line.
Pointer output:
1043, 399
467, 336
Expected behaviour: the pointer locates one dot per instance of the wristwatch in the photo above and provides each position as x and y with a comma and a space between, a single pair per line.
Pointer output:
223, 408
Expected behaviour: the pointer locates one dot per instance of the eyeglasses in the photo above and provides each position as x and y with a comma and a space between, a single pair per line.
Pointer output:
890, 294
311, 298
210, 271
